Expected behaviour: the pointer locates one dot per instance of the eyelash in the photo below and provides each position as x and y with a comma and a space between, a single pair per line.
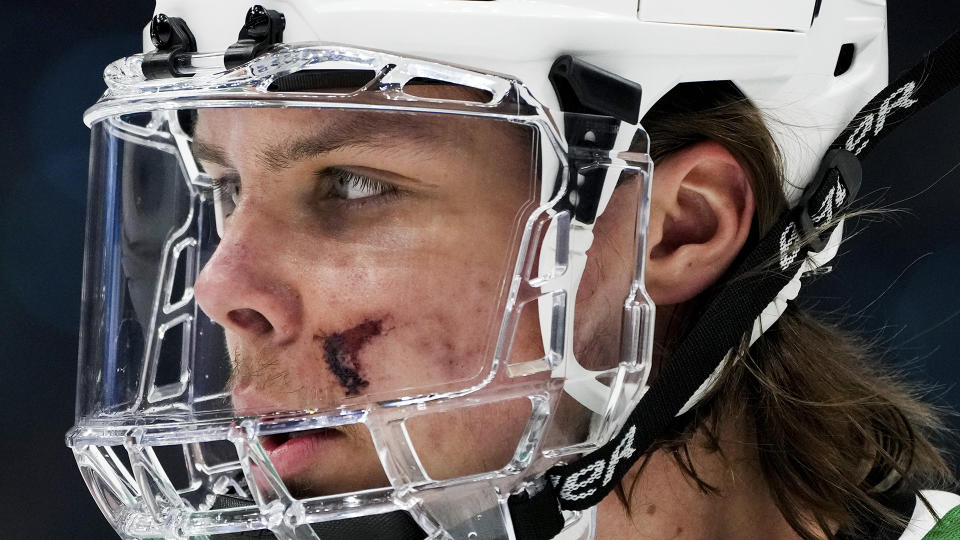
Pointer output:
349, 180
221, 185
354, 180
224, 186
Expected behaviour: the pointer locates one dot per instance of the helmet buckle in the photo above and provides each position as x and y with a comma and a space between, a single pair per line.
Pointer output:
836, 184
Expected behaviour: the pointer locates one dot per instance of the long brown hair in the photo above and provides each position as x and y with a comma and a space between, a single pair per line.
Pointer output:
832, 430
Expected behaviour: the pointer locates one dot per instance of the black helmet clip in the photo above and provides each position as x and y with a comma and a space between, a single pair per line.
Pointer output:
262, 29
173, 39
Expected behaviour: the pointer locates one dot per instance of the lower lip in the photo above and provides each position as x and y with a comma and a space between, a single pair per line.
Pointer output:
296, 455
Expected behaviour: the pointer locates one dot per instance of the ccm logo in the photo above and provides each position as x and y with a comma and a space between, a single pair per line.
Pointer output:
575, 484
901, 99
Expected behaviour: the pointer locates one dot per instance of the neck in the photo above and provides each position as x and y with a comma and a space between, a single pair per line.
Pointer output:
663, 502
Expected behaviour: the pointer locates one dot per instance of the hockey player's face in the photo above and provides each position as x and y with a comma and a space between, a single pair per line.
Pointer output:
363, 254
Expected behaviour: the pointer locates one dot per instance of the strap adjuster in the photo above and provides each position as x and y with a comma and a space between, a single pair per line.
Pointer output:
820, 200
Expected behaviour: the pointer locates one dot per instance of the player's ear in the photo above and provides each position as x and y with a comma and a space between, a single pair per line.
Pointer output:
701, 212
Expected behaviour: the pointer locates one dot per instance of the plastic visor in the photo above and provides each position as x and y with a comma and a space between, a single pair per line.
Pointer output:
391, 281
391, 247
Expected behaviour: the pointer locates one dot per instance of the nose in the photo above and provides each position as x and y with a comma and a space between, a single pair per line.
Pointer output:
245, 289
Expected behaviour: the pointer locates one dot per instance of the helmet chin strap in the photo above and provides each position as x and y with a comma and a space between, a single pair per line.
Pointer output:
773, 311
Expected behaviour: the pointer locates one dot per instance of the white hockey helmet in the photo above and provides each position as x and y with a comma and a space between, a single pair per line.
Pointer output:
506, 128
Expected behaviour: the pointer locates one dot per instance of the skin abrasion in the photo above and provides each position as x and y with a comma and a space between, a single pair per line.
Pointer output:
341, 352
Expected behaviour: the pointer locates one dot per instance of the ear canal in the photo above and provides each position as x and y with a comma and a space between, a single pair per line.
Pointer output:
696, 223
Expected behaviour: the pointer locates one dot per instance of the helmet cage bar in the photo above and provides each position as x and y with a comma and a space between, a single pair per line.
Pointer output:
142, 501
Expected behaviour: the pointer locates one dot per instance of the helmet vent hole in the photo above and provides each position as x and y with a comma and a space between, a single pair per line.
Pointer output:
844, 59
324, 81
424, 87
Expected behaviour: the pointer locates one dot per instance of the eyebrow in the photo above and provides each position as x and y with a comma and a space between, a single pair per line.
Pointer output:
359, 131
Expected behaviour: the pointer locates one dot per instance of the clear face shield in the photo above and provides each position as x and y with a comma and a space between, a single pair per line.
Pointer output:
333, 284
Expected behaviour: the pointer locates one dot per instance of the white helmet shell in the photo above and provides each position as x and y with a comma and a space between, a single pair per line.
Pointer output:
782, 56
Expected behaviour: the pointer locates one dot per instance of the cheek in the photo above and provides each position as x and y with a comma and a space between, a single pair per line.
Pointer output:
431, 283
435, 332
438, 297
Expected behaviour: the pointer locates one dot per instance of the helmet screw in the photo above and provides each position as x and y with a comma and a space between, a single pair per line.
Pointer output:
160, 31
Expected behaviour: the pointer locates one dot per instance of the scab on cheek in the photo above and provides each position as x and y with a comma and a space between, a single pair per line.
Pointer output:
341, 353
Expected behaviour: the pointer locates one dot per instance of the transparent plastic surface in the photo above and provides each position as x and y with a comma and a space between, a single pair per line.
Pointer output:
304, 305
327, 246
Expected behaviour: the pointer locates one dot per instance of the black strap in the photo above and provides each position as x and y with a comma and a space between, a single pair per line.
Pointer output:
935, 75
730, 314
725, 319
536, 516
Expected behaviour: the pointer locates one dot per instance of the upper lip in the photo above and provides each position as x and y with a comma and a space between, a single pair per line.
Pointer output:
272, 442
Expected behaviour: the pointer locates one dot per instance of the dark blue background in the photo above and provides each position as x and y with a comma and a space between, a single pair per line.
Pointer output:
899, 278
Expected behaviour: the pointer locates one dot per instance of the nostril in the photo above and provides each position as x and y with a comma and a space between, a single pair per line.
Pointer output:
250, 320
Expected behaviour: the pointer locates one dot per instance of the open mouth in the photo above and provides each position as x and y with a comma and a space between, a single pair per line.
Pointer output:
273, 442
